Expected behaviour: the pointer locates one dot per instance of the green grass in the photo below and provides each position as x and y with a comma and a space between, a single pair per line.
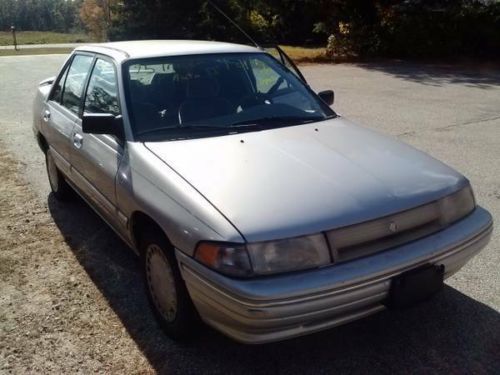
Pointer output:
34, 51
306, 54
41, 37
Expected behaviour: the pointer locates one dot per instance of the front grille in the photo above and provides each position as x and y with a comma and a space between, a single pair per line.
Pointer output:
384, 233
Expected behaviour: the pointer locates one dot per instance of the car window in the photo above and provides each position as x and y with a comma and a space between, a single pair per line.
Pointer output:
57, 92
102, 93
179, 97
168, 90
73, 87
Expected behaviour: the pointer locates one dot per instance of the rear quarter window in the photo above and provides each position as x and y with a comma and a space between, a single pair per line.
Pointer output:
58, 86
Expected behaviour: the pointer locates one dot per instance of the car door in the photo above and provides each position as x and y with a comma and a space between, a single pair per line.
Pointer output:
61, 110
95, 158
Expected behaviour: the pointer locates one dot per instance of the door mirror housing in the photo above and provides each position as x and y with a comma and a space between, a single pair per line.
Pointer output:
103, 123
327, 96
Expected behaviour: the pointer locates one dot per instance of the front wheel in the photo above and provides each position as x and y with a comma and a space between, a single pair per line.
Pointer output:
60, 188
166, 290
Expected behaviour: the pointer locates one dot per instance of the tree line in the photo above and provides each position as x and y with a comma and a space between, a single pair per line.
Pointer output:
395, 28
41, 15
401, 28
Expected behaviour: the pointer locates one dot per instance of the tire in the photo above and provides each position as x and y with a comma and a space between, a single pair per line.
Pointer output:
166, 291
58, 185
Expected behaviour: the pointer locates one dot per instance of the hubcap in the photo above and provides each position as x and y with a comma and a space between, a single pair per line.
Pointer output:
161, 282
53, 174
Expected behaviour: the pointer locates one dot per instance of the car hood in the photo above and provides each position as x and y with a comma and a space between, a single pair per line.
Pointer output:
304, 179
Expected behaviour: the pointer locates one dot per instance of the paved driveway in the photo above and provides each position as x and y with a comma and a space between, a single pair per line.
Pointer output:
452, 113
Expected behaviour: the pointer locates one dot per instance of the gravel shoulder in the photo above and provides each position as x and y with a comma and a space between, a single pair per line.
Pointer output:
52, 316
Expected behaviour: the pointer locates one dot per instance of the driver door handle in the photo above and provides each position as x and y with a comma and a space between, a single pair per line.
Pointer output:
77, 140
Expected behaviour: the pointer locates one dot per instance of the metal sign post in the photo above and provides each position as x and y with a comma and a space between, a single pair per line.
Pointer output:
13, 28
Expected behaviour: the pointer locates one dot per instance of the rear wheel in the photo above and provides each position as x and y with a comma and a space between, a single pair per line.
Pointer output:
60, 188
166, 290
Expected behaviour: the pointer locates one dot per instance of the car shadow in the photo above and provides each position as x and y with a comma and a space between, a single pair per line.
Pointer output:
477, 75
452, 333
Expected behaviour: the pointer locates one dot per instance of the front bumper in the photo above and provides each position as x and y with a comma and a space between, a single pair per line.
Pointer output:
280, 307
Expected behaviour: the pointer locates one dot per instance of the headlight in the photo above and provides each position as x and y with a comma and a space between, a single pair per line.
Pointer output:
265, 258
457, 205
289, 255
231, 260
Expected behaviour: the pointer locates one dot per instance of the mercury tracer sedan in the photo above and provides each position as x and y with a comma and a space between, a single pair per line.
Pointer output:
253, 206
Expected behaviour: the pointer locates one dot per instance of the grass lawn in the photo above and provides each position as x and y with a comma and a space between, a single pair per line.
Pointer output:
306, 54
41, 37
35, 51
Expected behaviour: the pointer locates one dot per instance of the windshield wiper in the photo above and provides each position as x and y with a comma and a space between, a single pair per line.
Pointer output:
241, 126
180, 128
271, 121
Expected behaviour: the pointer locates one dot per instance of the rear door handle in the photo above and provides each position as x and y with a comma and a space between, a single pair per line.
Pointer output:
46, 115
77, 140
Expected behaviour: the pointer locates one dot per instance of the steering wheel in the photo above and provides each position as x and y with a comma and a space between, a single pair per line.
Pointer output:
254, 100
261, 98
275, 87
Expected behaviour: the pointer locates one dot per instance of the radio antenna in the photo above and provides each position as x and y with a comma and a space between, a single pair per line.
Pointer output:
233, 23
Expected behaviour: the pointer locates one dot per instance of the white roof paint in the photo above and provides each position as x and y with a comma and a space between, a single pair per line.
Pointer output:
155, 48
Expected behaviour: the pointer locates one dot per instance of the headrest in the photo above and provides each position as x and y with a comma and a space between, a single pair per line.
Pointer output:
162, 79
202, 87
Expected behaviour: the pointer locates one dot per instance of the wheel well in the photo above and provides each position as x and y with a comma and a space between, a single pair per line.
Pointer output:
42, 142
141, 223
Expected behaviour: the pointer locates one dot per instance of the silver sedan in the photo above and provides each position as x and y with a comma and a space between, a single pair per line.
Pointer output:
253, 206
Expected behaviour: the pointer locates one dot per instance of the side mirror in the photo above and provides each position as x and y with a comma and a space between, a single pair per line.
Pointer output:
48, 81
103, 123
327, 96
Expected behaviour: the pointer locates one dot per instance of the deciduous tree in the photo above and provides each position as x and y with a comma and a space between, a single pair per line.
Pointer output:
93, 16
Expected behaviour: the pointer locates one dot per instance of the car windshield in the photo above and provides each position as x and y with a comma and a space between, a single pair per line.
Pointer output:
194, 96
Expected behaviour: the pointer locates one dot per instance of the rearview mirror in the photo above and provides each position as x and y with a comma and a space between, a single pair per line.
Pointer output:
327, 96
103, 123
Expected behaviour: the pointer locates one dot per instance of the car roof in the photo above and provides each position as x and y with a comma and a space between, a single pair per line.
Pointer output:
156, 48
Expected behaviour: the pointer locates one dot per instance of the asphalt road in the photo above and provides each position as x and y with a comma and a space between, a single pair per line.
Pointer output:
451, 112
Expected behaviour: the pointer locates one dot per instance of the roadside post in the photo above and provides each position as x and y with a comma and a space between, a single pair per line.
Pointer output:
13, 28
